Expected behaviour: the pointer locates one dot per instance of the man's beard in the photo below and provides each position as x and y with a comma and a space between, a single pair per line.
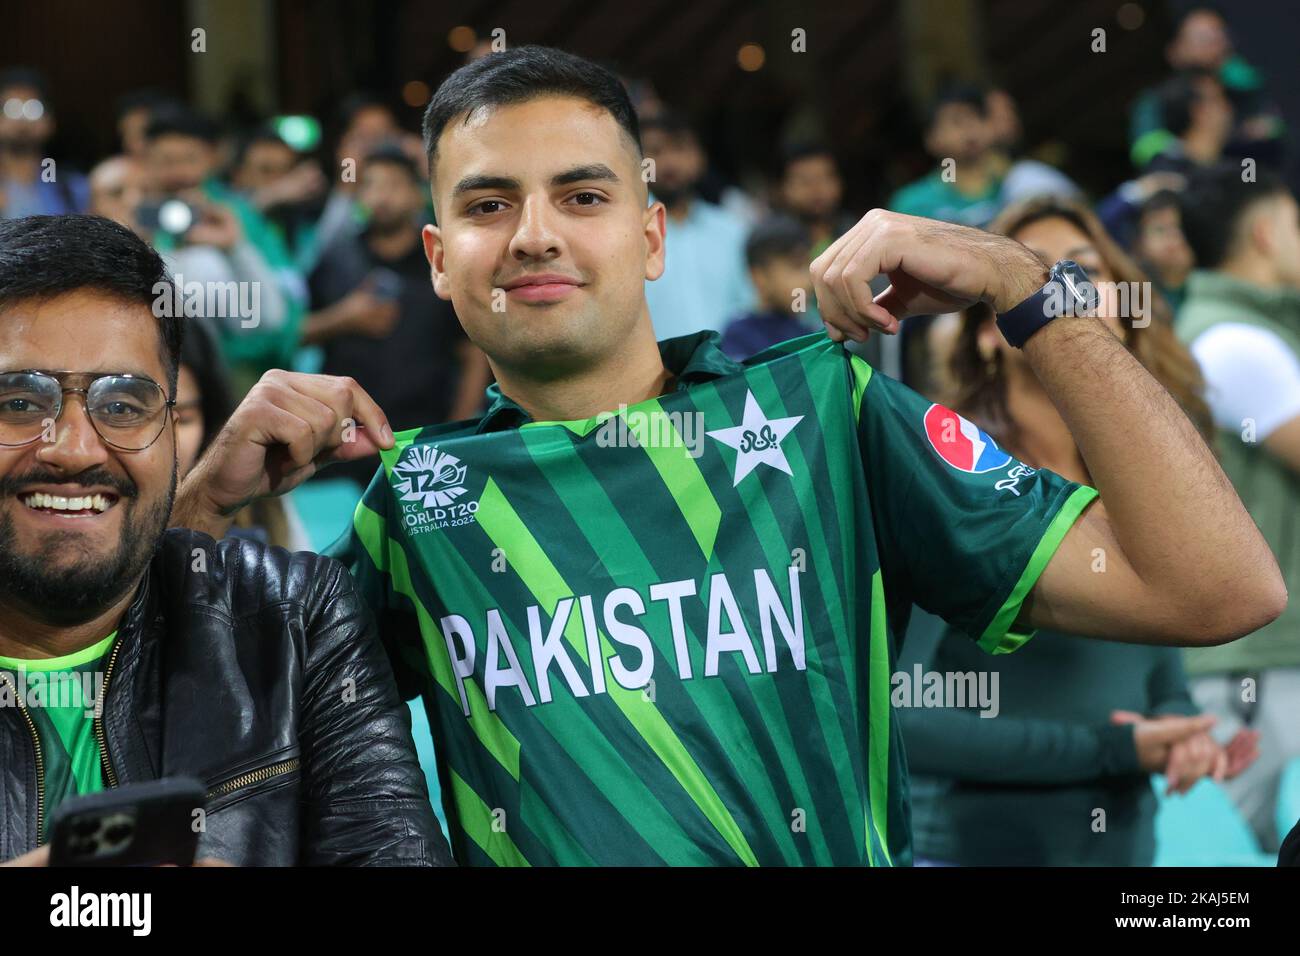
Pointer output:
65, 595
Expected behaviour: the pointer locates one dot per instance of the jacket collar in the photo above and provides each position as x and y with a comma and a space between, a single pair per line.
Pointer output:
132, 720
691, 359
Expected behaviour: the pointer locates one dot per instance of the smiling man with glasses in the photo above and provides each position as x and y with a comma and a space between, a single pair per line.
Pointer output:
254, 670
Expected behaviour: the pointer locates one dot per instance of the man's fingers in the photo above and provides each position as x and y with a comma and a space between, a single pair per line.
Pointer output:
833, 312
1125, 717
1176, 729
348, 400
826, 271
361, 445
1220, 765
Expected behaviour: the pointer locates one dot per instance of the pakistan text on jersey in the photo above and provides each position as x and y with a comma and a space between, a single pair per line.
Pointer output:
575, 619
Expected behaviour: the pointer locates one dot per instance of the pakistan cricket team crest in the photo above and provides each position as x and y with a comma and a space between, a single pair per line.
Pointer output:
429, 484
757, 439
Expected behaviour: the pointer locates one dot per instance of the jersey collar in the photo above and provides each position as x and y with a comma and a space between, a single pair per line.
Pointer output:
691, 358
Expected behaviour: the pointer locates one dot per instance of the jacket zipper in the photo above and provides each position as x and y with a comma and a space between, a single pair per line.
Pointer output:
98, 721
40, 765
254, 776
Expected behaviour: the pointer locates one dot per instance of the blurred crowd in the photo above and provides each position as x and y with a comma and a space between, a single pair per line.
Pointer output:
1197, 254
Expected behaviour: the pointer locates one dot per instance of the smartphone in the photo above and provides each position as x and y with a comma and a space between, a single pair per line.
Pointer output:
140, 824
174, 216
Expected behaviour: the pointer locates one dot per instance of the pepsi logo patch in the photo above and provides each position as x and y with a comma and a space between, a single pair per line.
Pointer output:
961, 444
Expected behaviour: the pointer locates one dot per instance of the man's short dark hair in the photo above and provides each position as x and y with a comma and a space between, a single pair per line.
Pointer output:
16, 76
392, 154
354, 103
256, 137
182, 122
956, 94
147, 98
520, 74
1159, 200
1177, 97
808, 149
670, 122
774, 237
46, 256
1214, 204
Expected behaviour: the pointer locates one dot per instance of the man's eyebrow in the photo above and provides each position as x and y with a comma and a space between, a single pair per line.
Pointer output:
580, 174
473, 183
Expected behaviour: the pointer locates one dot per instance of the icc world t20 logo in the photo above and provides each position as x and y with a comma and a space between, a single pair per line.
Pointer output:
429, 476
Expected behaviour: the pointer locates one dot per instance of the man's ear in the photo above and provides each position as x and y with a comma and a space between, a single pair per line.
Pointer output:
433, 251
1260, 227
654, 225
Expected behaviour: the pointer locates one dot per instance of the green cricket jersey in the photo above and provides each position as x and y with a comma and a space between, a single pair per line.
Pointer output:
59, 695
665, 635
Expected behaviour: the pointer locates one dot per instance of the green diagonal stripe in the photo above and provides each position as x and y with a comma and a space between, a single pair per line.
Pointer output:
503, 525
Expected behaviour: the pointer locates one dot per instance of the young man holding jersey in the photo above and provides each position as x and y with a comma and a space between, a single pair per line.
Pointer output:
630, 655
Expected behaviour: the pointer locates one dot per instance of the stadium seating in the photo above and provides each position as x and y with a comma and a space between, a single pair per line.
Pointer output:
1203, 828
325, 508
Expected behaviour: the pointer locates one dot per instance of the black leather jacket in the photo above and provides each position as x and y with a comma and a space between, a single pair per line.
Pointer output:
258, 672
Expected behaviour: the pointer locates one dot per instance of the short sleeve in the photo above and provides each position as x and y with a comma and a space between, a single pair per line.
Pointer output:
1250, 375
962, 528
380, 574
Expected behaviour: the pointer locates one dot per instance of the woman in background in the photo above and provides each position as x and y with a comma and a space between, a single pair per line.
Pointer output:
1080, 724
204, 400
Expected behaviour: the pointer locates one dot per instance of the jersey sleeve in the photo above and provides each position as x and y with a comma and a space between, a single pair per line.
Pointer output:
963, 529
378, 566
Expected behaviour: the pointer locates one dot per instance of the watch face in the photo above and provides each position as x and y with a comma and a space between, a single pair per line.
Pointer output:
1078, 287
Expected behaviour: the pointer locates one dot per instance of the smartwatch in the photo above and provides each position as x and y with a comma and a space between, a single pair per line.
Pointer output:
1068, 291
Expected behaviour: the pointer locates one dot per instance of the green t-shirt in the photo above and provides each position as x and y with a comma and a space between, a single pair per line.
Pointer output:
59, 694
934, 198
677, 649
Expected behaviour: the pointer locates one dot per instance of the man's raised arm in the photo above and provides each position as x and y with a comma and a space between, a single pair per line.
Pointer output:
289, 425
1184, 563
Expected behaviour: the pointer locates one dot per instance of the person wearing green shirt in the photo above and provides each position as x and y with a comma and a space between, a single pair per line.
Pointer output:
652, 599
62, 713
231, 265
967, 186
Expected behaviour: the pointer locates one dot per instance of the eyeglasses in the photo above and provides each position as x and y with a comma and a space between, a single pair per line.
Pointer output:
125, 410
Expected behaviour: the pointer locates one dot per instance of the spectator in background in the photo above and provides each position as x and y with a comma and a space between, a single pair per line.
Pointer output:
1201, 44
378, 318
812, 191
365, 122
30, 183
115, 190
1198, 116
204, 402
1080, 723
704, 282
777, 253
220, 239
1241, 318
1161, 247
134, 111
1022, 178
288, 190
1199, 119
967, 186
